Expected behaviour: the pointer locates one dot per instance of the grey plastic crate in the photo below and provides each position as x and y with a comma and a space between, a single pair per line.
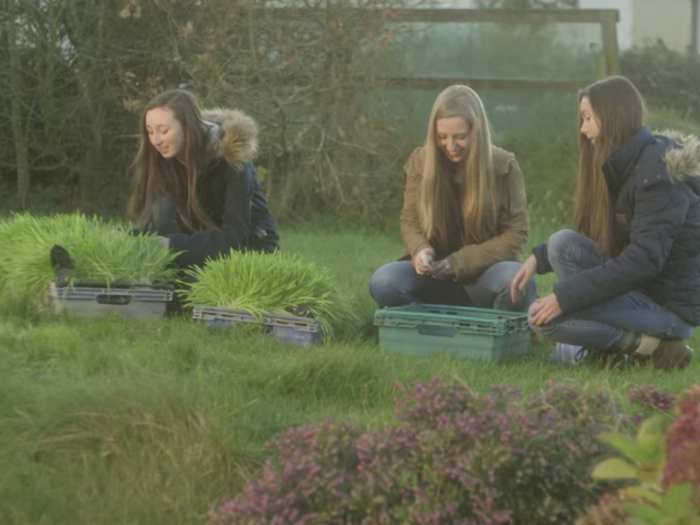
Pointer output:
293, 329
127, 302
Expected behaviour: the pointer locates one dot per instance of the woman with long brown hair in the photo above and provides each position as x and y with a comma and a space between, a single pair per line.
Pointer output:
194, 181
629, 276
464, 220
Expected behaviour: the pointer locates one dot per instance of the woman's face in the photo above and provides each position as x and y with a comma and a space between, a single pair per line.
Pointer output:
165, 132
453, 138
591, 124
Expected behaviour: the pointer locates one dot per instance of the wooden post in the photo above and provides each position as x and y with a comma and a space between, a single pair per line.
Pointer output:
694, 12
608, 21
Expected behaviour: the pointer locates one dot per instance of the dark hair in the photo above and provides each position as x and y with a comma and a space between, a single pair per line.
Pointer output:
176, 178
619, 111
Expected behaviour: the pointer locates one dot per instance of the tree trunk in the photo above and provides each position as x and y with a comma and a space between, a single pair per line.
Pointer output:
18, 124
91, 72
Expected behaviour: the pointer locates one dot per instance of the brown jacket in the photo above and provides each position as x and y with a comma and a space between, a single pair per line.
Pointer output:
472, 259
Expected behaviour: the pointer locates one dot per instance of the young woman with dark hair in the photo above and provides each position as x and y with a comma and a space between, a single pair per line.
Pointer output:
195, 184
629, 275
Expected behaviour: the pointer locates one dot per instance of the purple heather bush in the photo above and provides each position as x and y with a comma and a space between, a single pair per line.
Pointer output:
651, 400
454, 457
683, 443
310, 480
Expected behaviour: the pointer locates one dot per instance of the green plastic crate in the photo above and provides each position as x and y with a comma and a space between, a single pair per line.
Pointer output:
476, 334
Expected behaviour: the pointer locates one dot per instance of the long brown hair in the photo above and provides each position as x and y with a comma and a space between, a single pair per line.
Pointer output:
176, 178
619, 110
477, 199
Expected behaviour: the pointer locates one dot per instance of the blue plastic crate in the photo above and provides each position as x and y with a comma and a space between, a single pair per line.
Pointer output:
476, 334
292, 329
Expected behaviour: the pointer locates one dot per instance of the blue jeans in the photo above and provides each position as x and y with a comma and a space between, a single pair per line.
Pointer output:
602, 325
398, 284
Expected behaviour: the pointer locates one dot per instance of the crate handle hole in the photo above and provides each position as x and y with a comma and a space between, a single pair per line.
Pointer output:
439, 331
113, 299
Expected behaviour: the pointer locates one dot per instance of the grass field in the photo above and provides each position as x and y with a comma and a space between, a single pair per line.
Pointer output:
151, 422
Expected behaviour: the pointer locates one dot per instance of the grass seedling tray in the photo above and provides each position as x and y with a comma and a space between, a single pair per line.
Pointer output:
128, 300
292, 329
475, 334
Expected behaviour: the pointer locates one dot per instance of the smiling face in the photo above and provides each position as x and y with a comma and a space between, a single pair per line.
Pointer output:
590, 124
452, 136
165, 132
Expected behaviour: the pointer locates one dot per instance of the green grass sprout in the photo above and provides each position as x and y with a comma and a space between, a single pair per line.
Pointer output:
102, 252
273, 283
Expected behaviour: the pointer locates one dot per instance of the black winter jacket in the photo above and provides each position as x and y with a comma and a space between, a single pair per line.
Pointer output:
654, 182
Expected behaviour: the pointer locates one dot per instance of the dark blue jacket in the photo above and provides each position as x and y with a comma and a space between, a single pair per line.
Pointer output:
654, 182
230, 195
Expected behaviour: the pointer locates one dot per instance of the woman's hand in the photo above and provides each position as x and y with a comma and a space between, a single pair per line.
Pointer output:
442, 270
164, 241
423, 261
522, 278
545, 310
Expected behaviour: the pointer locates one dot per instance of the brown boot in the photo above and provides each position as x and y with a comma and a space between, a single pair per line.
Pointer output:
671, 354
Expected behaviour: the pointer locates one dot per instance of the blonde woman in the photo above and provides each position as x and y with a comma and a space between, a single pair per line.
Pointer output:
464, 219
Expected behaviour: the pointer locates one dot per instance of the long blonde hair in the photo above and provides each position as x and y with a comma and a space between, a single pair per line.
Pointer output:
438, 211
619, 109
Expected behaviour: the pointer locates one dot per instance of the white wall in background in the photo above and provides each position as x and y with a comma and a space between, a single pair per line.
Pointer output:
626, 23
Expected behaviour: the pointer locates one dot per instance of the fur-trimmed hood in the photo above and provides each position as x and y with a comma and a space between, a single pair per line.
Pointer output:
680, 154
232, 134
683, 163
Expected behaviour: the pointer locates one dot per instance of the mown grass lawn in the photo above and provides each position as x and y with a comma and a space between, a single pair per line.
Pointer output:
113, 422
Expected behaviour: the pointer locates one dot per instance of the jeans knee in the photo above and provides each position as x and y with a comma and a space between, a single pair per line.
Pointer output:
499, 284
386, 286
380, 283
531, 292
501, 276
559, 242
522, 303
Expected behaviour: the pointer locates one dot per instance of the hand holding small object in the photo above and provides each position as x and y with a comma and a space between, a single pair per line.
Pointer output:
423, 260
442, 270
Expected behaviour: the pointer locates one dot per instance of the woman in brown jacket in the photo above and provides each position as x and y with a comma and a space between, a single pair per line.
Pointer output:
464, 219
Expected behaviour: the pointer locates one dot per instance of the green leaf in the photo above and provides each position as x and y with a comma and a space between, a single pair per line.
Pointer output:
614, 468
652, 473
644, 511
644, 493
628, 446
651, 431
677, 498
